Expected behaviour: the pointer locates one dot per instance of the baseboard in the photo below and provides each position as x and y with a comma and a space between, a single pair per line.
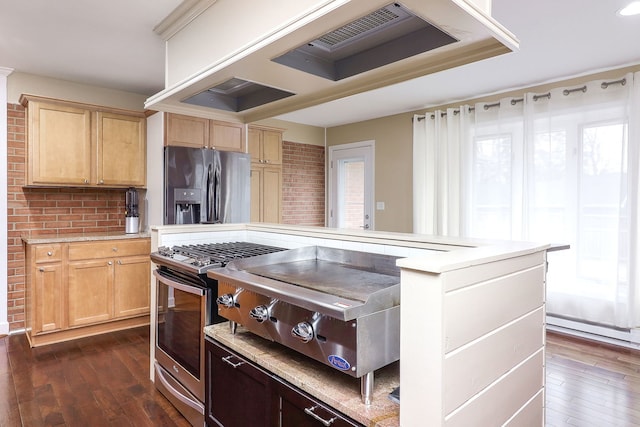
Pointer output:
4, 328
622, 338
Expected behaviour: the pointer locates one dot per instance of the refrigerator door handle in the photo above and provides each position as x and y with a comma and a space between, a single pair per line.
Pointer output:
216, 194
212, 195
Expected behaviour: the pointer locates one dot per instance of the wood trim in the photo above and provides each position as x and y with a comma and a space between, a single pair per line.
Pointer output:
87, 331
26, 98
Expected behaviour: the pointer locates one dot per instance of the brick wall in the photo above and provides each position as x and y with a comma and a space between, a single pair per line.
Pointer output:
46, 211
303, 184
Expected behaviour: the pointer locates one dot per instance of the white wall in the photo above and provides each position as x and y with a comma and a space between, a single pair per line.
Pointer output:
4, 324
23, 83
154, 198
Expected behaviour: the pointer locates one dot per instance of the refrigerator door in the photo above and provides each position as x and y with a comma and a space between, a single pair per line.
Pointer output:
234, 187
184, 176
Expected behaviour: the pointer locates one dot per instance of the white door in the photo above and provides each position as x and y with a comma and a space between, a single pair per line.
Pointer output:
351, 185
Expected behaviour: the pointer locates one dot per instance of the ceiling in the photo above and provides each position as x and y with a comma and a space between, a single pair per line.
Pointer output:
112, 44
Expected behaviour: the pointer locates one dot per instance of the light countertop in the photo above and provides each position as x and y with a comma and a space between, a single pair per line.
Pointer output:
41, 238
337, 390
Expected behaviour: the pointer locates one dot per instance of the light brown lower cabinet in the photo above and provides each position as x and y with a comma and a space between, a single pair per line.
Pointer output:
86, 288
266, 194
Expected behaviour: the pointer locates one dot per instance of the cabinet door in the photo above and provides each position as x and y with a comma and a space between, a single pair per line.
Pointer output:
48, 307
90, 292
254, 144
256, 194
226, 136
59, 150
131, 286
272, 147
272, 195
266, 194
297, 409
186, 131
122, 150
237, 393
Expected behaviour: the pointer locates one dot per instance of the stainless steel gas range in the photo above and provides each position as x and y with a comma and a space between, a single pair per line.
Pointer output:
185, 305
339, 307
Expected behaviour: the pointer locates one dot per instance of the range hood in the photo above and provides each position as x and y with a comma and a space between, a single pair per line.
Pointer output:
387, 35
267, 62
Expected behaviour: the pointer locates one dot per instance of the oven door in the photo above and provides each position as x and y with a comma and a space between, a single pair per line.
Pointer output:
184, 309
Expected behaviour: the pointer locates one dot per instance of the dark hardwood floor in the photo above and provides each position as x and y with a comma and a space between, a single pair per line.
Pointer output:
103, 381
591, 384
96, 381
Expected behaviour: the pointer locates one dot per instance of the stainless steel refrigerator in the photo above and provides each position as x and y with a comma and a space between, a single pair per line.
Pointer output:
206, 186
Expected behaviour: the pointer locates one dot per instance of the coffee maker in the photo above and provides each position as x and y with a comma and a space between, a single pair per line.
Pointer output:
132, 224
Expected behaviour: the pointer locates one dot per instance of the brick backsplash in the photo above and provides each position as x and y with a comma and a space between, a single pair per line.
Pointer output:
303, 183
69, 210
46, 211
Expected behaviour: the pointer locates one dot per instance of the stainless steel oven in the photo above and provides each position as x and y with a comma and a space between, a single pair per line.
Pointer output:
185, 305
184, 309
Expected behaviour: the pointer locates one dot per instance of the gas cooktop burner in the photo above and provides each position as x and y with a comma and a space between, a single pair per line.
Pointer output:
201, 257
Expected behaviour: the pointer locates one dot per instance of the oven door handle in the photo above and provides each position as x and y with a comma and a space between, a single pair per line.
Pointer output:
180, 286
176, 393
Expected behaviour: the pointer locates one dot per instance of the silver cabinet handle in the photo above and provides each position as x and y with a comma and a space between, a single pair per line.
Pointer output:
119, 262
49, 253
110, 263
41, 270
228, 361
310, 411
86, 181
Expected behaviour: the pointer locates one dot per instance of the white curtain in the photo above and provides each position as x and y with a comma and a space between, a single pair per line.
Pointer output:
440, 157
561, 167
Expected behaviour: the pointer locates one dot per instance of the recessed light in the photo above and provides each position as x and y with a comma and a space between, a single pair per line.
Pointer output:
632, 8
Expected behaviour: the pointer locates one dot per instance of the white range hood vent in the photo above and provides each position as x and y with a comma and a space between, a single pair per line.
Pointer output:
237, 95
387, 35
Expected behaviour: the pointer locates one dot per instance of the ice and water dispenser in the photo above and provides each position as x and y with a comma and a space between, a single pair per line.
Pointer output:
187, 205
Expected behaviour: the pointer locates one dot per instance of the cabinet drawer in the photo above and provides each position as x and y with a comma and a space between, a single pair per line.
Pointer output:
48, 253
107, 249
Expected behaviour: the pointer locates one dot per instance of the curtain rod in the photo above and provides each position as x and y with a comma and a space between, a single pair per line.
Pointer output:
603, 85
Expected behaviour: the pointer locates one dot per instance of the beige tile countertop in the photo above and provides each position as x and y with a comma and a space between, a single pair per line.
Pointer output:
42, 238
337, 390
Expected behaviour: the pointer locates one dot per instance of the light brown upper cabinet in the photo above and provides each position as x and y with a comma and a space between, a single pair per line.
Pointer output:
265, 145
79, 145
188, 131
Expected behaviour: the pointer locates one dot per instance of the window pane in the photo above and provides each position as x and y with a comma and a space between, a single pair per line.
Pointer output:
602, 168
351, 193
491, 217
549, 216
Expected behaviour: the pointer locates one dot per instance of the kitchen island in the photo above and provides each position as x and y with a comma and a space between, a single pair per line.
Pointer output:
472, 317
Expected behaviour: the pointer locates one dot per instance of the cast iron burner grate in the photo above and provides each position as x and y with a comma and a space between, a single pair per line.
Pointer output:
221, 254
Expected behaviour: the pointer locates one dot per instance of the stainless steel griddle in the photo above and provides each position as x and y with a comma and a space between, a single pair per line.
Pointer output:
337, 306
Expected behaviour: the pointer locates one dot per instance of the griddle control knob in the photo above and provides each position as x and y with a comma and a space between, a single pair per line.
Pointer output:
259, 313
225, 300
303, 331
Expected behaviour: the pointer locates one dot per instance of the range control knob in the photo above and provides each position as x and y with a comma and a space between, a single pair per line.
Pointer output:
225, 300
259, 313
303, 331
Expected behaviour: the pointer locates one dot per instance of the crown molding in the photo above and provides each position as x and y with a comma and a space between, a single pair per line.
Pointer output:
181, 16
4, 71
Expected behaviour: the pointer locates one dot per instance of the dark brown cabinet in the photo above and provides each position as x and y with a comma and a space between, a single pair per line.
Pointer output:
300, 410
239, 394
